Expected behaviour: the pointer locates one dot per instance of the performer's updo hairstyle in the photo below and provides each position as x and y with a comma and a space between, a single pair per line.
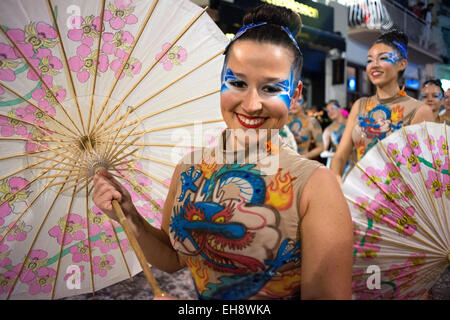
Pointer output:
398, 41
272, 32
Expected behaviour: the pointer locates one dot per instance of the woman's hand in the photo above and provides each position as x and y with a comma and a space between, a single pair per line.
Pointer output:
106, 189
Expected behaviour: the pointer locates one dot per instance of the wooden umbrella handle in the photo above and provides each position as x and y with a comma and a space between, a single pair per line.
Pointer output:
157, 292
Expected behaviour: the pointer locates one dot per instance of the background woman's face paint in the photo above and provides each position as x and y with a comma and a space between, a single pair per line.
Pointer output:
390, 57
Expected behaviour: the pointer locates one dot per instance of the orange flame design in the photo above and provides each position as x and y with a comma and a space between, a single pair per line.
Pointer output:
200, 275
397, 113
280, 192
370, 105
207, 168
286, 285
360, 149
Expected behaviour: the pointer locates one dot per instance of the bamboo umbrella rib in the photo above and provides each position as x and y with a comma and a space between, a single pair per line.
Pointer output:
175, 126
115, 153
89, 243
11, 226
20, 170
108, 96
108, 149
39, 127
120, 176
68, 72
92, 108
28, 153
442, 201
77, 183
62, 243
426, 243
160, 111
446, 216
185, 29
417, 202
40, 78
8, 197
61, 182
32, 245
425, 186
162, 90
118, 160
394, 202
121, 249
152, 177
65, 156
37, 107
57, 169
156, 160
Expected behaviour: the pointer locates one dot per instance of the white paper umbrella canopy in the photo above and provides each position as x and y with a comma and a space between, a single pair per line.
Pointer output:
399, 197
129, 85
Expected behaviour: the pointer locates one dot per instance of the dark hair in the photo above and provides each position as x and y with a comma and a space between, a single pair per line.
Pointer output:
435, 82
335, 102
275, 16
389, 38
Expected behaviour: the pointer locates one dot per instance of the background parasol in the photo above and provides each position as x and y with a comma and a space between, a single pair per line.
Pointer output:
127, 85
399, 197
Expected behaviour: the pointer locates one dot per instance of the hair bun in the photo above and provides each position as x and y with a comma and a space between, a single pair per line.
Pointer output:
274, 15
394, 35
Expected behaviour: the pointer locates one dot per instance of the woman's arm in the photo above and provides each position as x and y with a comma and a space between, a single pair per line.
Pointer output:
316, 134
423, 114
155, 243
327, 239
326, 138
345, 146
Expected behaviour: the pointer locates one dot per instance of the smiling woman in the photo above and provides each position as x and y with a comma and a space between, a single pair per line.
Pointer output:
244, 231
374, 118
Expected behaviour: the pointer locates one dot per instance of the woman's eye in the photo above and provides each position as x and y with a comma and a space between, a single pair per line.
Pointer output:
237, 84
271, 89
369, 61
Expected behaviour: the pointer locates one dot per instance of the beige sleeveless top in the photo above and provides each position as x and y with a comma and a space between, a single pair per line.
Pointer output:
378, 118
237, 226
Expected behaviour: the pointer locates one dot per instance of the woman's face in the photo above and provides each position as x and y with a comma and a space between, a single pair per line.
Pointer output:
333, 111
447, 100
432, 96
258, 86
383, 64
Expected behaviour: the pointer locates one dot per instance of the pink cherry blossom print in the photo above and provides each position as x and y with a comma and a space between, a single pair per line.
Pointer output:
7, 63
103, 264
414, 142
5, 211
80, 252
174, 56
43, 281
34, 261
107, 241
434, 183
132, 67
442, 146
73, 231
18, 232
25, 49
413, 163
4, 253
6, 128
120, 14
8, 278
85, 29
85, 61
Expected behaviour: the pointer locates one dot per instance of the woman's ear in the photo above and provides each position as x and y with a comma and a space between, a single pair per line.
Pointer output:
403, 64
297, 93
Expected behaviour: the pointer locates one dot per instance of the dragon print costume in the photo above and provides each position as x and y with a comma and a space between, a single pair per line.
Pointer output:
237, 228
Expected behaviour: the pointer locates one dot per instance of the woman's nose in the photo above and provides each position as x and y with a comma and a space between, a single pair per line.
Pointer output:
251, 102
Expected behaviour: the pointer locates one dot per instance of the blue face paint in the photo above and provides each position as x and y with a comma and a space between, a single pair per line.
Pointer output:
227, 77
392, 58
287, 88
283, 90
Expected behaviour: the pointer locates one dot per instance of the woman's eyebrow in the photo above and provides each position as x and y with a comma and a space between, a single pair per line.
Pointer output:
369, 56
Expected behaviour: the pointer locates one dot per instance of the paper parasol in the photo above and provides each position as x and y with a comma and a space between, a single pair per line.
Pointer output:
127, 85
399, 197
